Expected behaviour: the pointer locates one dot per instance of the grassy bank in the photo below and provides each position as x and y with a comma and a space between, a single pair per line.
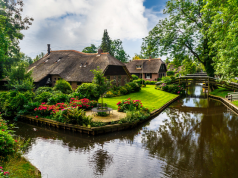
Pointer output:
222, 92
19, 167
149, 96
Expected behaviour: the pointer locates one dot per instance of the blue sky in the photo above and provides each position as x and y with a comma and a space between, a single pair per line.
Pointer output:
75, 24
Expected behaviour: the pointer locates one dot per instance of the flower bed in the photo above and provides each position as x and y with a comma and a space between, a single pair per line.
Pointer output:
131, 105
172, 88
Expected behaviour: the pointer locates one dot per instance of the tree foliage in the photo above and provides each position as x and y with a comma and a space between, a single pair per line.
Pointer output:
90, 49
188, 66
102, 83
224, 29
181, 34
39, 56
106, 42
11, 24
18, 76
118, 52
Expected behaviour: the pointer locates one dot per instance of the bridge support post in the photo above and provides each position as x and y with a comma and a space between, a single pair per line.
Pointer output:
208, 86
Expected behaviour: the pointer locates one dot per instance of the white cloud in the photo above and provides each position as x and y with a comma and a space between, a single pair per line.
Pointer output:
75, 24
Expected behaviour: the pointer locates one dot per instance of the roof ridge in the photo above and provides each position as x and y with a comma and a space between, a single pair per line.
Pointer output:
74, 51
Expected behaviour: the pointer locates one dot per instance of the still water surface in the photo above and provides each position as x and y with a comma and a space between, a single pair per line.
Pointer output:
193, 137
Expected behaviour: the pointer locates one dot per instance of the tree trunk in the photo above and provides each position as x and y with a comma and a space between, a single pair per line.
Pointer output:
208, 64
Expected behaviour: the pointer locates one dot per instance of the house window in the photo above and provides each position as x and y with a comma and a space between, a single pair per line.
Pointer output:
79, 83
147, 76
138, 66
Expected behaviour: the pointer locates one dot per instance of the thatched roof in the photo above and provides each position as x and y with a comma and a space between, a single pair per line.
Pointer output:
72, 65
149, 65
173, 68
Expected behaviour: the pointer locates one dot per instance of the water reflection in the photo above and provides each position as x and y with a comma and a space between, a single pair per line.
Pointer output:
100, 161
194, 137
196, 145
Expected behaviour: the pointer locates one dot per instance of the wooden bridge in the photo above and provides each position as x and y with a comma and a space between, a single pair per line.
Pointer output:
209, 82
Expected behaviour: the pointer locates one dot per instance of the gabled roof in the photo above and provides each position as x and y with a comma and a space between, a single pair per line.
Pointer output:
149, 65
172, 68
69, 68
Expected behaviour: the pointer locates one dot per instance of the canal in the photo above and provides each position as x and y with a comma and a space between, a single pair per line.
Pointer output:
193, 137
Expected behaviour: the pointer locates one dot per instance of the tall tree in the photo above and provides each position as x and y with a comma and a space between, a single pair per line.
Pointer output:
11, 25
118, 52
181, 34
90, 49
39, 56
106, 42
149, 47
224, 29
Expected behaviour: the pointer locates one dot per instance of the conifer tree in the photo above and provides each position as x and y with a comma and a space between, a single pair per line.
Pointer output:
106, 42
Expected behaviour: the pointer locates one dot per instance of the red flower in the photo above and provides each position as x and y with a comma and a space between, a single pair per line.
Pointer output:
15, 140
36, 116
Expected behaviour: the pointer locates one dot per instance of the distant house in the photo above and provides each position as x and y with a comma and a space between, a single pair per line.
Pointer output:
171, 67
152, 69
74, 67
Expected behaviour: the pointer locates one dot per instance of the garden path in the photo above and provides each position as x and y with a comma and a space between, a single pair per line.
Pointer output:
116, 116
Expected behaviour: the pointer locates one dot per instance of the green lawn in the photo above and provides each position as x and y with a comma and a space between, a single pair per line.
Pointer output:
222, 92
149, 96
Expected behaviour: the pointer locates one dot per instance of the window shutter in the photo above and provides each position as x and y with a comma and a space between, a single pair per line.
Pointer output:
150, 75
145, 76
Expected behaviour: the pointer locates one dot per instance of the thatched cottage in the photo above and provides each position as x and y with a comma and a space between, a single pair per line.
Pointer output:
74, 67
171, 67
152, 69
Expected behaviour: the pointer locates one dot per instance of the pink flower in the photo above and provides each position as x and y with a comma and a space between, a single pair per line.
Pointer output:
2, 129
36, 116
16, 141
0, 167
178, 91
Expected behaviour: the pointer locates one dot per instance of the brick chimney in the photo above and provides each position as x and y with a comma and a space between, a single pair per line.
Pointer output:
48, 48
100, 51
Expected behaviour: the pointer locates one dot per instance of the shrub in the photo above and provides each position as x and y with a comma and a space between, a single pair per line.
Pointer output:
58, 98
134, 77
132, 116
109, 94
7, 143
173, 88
177, 75
43, 97
29, 108
128, 87
84, 103
139, 81
3, 98
170, 73
24, 85
15, 102
129, 105
166, 80
150, 82
63, 86
88, 90
135, 86
43, 89
72, 116
123, 90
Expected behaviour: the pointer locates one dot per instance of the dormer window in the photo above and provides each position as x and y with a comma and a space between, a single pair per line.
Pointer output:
46, 60
138, 66
85, 64
58, 60
81, 65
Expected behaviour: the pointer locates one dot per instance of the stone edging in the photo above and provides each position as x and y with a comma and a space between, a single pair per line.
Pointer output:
96, 130
230, 105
